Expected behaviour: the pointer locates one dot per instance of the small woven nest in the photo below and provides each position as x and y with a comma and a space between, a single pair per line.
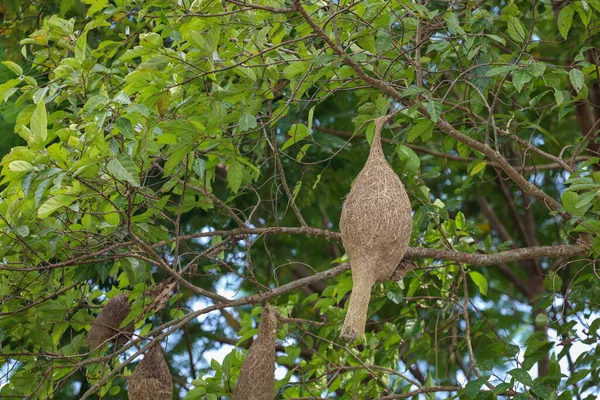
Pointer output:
151, 379
107, 323
375, 227
257, 377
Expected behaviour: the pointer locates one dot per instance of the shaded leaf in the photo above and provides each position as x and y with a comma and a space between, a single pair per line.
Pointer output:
576, 78
39, 122
480, 281
565, 20
124, 169
53, 204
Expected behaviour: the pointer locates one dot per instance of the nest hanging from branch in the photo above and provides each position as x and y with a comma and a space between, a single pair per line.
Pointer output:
257, 376
375, 226
151, 379
107, 323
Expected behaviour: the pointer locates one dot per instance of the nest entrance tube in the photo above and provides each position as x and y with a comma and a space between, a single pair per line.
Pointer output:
375, 226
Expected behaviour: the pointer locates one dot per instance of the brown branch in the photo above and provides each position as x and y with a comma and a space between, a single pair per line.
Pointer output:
422, 390
422, 149
286, 188
525, 253
442, 124
475, 259
412, 253
264, 8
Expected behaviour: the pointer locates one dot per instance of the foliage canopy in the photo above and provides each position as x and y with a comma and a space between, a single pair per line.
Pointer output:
194, 155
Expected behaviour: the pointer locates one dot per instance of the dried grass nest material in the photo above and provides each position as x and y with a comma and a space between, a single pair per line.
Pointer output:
257, 376
151, 379
375, 227
107, 323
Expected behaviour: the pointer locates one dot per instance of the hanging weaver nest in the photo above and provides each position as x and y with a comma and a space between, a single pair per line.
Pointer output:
107, 323
151, 379
375, 227
257, 377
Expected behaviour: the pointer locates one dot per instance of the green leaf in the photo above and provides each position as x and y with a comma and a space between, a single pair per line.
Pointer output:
39, 122
7, 86
558, 96
434, 108
497, 39
569, 200
544, 131
125, 127
124, 169
111, 215
423, 129
235, 173
477, 168
311, 114
80, 47
383, 41
14, 67
302, 152
199, 167
429, 383
576, 78
565, 20
296, 190
578, 376
454, 24
541, 319
20, 166
297, 133
552, 282
502, 387
413, 162
480, 281
460, 221
295, 68
520, 78
515, 30
53, 204
536, 69
247, 122
41, 189
367, 42
500, 70
198, 393
521, 376
472, 388
463, 149
178, 152
595, 4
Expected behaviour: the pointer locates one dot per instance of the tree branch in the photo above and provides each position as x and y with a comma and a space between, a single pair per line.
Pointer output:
442, 123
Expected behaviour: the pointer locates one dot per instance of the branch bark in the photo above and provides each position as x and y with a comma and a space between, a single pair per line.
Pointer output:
442, 123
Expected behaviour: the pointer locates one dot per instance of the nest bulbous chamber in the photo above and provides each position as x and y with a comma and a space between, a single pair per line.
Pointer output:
107, 323
375, 226
257, 376
151, 379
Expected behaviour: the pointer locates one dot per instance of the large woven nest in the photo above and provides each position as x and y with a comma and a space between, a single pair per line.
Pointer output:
107, 323
375, 227
257, 377
151, 379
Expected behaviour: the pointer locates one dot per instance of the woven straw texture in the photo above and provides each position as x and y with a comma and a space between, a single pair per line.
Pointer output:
257, 376
151, 379
107, 323
375, 226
